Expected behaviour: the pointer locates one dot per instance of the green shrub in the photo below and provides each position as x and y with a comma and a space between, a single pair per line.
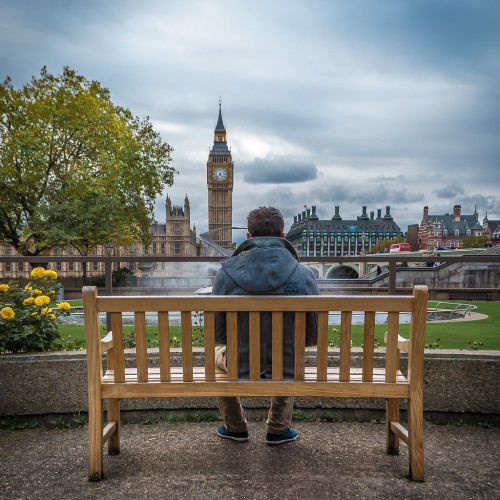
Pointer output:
27, 323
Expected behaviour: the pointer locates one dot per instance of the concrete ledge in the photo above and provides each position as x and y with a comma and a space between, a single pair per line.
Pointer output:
456, 382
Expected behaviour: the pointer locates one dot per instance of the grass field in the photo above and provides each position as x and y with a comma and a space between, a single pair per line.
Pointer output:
451, 335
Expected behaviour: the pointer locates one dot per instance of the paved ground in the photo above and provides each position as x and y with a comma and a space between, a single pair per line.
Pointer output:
188, 460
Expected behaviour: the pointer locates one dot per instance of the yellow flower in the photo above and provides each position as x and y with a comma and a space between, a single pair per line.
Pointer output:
38, 272
64, 306
4, 287
42, 300
28, 287
50, 274
37, 292
51, 293
35, 315
7, 313
46, 311
29, 301
53, 317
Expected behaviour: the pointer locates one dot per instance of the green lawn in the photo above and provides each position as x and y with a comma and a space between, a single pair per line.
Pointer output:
452, 335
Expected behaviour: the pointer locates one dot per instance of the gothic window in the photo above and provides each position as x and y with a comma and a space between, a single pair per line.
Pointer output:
58, 266
177, 248
177, 229
457, 232
95, 266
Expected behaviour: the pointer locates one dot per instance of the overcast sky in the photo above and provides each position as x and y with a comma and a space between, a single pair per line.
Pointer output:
350, 103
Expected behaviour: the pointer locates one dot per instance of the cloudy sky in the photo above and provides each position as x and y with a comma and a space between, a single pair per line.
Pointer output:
349, 103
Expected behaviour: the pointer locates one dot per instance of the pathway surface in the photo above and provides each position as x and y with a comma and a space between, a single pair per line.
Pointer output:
187, 460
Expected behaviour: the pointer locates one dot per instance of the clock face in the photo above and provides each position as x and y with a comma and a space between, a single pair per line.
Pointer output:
220, 174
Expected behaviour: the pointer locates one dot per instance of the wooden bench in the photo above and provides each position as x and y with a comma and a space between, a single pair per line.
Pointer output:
118, 382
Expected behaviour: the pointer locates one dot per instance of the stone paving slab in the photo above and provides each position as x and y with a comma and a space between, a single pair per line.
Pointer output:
188, 460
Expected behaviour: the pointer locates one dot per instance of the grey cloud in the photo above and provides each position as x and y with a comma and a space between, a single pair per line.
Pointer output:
451, 191
278, 170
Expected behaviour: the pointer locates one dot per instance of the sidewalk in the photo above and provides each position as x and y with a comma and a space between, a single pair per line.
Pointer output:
188, 460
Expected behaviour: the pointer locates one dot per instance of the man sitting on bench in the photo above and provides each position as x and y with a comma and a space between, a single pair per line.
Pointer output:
265, 264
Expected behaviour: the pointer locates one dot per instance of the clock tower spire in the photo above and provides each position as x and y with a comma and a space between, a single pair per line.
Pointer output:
220, 186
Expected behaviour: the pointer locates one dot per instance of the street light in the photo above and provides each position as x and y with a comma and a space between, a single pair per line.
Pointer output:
429, 232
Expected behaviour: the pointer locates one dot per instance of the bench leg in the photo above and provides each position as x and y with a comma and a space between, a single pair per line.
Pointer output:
113, 413
391, 415
95, 439
416, 437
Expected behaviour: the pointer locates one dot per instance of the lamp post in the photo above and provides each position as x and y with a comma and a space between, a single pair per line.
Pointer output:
363, 236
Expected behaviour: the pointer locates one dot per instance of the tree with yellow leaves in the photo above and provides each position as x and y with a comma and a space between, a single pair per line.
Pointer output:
75, 169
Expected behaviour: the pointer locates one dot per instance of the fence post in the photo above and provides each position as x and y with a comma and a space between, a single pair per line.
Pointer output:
392, 277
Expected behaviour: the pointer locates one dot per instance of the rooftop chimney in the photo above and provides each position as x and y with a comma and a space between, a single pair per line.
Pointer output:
337, 213
426, 212
371, 214
456, 212
379, 213
295, 219
308, 212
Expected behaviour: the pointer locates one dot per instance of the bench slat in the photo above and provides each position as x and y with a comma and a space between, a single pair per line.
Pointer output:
164, 345
257, 303
345, 345
300, 345
187, 345
392, 354
277, 345
256, 388
117, 351
209, 337
322, 351
232, 345
254, 340
368, 346
141, 352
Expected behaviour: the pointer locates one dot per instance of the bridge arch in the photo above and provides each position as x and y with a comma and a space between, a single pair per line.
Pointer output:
342, 272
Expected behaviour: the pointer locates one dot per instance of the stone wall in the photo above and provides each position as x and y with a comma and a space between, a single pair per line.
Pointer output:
56, 383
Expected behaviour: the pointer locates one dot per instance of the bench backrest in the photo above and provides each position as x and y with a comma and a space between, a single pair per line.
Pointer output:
415, 304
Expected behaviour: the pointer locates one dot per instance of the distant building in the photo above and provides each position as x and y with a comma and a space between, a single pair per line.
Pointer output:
447, 231
173, 238
313, 237
492, 229
220, 180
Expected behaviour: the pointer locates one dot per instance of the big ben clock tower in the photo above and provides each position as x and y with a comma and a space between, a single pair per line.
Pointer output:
220, 187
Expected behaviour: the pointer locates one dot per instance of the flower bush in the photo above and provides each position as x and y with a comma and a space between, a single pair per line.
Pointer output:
27, 322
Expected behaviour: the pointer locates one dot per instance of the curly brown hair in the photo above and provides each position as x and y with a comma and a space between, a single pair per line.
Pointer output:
265, 221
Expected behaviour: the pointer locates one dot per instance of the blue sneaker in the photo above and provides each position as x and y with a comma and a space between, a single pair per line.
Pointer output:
235, 436
287, 436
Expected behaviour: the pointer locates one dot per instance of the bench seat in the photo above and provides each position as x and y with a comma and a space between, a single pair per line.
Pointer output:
176, 375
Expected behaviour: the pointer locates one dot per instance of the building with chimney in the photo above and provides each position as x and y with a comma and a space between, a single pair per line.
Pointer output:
492, 229
315, 237
447, 230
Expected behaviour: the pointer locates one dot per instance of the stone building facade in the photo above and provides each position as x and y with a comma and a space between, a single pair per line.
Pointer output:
492, 229
447, 230
173, 238
220, 180
315, 237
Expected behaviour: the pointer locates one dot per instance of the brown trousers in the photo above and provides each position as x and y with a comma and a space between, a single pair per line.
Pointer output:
280, 412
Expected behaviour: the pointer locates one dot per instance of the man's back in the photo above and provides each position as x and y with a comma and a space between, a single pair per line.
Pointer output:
265, 266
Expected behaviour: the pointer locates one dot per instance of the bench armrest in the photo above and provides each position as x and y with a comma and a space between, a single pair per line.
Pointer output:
403, 344
107, 342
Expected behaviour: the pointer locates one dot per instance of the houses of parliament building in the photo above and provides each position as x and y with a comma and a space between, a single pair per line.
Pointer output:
174, 237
